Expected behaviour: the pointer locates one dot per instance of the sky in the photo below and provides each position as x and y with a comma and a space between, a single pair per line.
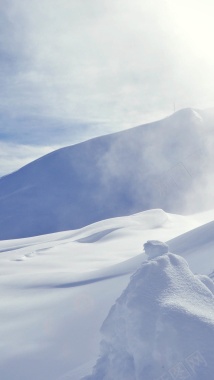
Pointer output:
74, 69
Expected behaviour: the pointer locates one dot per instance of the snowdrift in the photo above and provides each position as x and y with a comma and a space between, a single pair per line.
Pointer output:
162, 326
150, 166
57, 289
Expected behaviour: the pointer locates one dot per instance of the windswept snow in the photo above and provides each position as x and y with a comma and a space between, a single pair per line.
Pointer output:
162, 326
93, 247
57, 289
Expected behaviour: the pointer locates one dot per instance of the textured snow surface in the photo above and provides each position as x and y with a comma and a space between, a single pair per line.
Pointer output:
162, 325
56, 290
154, 248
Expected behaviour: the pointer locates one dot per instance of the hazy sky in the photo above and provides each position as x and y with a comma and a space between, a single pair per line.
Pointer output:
72, 69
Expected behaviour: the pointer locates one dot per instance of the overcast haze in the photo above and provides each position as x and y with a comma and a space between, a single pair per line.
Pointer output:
74, 69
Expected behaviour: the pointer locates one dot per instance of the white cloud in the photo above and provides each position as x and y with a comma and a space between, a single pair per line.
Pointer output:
113, 63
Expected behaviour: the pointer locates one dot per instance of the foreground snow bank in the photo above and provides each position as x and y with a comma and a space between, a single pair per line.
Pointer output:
162, 326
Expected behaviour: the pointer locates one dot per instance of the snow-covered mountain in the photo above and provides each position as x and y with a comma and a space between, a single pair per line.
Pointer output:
157, 165
57, 288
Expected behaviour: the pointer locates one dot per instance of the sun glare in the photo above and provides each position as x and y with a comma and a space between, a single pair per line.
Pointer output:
193, 25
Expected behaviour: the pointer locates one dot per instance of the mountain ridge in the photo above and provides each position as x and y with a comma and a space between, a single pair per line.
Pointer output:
107, 176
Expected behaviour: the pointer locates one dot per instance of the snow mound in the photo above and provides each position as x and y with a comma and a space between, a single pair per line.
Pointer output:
161, 327
154, 248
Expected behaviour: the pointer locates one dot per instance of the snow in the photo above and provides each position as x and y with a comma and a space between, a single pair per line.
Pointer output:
154, 248
163, 318
56, 290
77, 223
146, 167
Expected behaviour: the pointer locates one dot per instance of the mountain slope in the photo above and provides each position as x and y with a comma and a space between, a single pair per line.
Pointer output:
150, 166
